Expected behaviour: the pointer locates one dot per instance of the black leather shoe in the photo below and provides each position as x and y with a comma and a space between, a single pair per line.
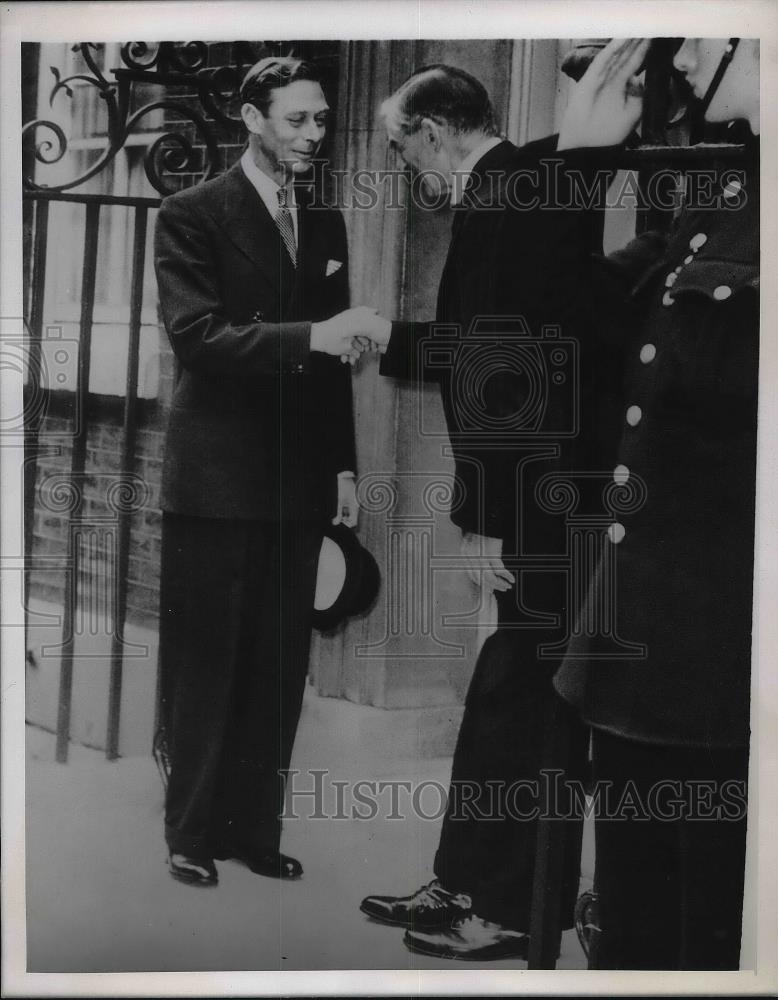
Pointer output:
470, 939
271, 863
193, 871
431, 906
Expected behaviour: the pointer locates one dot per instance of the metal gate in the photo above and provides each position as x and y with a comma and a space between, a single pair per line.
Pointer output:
36, 391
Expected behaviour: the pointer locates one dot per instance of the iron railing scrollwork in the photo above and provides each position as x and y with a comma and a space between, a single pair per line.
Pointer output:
189, 144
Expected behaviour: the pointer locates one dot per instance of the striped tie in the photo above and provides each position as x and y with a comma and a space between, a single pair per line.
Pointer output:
284, 223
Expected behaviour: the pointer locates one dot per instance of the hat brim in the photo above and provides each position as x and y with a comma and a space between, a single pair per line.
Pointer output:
361, 584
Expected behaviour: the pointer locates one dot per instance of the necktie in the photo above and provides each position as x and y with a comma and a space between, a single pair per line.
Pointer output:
284, 223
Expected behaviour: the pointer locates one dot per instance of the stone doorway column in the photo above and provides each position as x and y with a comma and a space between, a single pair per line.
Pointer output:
417, 648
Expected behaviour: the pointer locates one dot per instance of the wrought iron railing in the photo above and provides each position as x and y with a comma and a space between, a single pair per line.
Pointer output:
209, 114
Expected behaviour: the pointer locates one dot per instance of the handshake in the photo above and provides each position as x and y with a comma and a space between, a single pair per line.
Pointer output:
347, 334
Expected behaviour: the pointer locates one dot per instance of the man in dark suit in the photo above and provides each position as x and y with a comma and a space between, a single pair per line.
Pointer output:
253, 286
509, 428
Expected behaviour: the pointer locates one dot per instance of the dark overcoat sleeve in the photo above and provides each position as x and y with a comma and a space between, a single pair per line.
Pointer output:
547, 266
406, 358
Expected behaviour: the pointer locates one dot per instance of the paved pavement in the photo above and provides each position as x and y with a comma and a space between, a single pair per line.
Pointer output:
99, 898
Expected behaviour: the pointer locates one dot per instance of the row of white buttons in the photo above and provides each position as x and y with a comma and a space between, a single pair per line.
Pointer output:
617, 531
720, 293
634, 413
697, 241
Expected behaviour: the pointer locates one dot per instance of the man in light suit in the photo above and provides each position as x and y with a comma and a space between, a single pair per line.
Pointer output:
253, 286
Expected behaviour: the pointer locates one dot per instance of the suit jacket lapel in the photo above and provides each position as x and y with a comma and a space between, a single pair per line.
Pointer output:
310, 251
249, 225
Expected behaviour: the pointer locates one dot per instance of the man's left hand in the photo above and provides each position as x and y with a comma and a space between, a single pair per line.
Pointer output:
348, 508
485, 567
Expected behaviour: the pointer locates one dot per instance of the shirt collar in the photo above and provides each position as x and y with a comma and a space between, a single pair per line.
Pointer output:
265, 186
462, 173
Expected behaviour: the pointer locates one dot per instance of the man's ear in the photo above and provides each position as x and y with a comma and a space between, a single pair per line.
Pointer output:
431, 133
252, 118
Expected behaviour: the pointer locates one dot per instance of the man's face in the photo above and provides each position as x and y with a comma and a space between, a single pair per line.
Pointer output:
291, 133
419, 153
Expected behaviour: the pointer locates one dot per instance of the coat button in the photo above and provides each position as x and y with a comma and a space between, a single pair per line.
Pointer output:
722, 292
667, 299
647, 353
634, 416
258, 317
616, 532
697, 241
620, 475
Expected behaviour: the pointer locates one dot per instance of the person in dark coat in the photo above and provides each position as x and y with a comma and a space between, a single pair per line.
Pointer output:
670, 722
485, 347
253, 286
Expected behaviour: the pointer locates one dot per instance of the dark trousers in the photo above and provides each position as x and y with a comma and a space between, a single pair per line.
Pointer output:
670, 886
236, 599
487, 843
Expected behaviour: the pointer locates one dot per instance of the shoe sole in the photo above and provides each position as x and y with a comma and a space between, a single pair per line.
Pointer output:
196, 880
276, 875
407, 923
430, 953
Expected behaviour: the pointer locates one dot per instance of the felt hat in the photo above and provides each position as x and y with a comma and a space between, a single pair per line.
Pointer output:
347, 579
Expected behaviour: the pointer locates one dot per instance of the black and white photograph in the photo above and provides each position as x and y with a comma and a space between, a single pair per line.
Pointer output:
388, 498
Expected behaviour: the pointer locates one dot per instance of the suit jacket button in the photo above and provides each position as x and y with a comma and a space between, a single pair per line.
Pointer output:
258, 316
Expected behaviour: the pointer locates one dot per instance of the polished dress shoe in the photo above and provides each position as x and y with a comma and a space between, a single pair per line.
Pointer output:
272, 863
192, 871
431, 906
470, 939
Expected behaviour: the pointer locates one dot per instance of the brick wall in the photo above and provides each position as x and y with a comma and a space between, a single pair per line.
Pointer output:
98, 519
229, 138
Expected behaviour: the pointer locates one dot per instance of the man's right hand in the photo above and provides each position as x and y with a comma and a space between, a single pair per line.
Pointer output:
348, 333
606, 103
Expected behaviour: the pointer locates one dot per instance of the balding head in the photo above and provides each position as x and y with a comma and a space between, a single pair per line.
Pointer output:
444, 94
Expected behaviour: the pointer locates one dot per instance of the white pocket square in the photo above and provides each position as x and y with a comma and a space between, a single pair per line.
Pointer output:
333, 266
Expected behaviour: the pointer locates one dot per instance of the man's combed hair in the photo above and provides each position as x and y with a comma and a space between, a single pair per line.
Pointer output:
271, 73
447, 95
